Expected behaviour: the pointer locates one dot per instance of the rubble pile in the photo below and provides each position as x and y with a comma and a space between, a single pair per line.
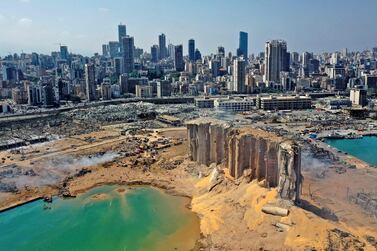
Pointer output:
8, 187
170, 164
247, 151
8, 174
321, 153
114, 113
89, 119
341, 240
367, 201
13, 170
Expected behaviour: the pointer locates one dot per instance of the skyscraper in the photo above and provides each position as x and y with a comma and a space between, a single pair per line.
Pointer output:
105, 50
306, 56
122, 32
118, 65
171, 49
243, 48
295, 58
198, 55
191, 49
162, 46
178, 58
275, 60
215, 65
154, 53
239, 75
90, 81
64, 52
113, 48
128, 54
9, 73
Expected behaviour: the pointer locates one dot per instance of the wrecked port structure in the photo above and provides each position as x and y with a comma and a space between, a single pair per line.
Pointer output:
250, 152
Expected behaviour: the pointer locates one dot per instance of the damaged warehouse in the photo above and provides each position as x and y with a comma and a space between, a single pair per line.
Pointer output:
262, 155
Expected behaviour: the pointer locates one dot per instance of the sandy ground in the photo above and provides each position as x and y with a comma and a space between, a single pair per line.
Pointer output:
230, 214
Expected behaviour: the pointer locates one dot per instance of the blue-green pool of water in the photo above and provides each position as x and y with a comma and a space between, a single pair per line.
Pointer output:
105, 218
364, 148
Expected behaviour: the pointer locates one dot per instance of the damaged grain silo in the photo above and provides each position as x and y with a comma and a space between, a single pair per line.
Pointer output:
263, 155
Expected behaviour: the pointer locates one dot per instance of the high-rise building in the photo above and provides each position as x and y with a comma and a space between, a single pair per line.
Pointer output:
113, 48
313, 66
64, 52
286, 81
9, 73
275, 60
163, 88
35, 58
106, 89
122, 32
243, 48
118, 65
154, 53
334, 58
90, 81
370, 82
225, 62
123, 82
178, 58
143, 91
191, 49
221, 51
128, 54
171, 50
198, 55
105, 50
33, 94
162, 46
138, 52
215, 66
239, 75
295, 58
358, 96
47, 95
306, 56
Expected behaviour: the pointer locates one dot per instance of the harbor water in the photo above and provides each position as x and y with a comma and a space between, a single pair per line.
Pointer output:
104, 218
364, 148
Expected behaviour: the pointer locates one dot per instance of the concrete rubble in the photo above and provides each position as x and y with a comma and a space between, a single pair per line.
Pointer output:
265, 156
84, 120
367, 201
8, 174
8, 187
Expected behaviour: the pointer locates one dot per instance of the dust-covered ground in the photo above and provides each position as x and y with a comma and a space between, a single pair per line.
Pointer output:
328, 218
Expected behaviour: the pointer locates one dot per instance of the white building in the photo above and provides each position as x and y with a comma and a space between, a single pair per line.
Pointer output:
234, 105
276, 60
239, 75
358, 96
284, 103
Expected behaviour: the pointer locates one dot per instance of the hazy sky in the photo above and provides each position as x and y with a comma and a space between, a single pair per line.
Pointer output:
84, 25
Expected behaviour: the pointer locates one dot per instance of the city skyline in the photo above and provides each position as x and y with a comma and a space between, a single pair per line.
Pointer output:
40, 25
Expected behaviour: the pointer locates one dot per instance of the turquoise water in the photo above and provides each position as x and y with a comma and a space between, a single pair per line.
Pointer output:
364, 148
104, 218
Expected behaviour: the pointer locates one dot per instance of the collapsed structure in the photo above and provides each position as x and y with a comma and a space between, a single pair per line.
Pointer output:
248, 151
